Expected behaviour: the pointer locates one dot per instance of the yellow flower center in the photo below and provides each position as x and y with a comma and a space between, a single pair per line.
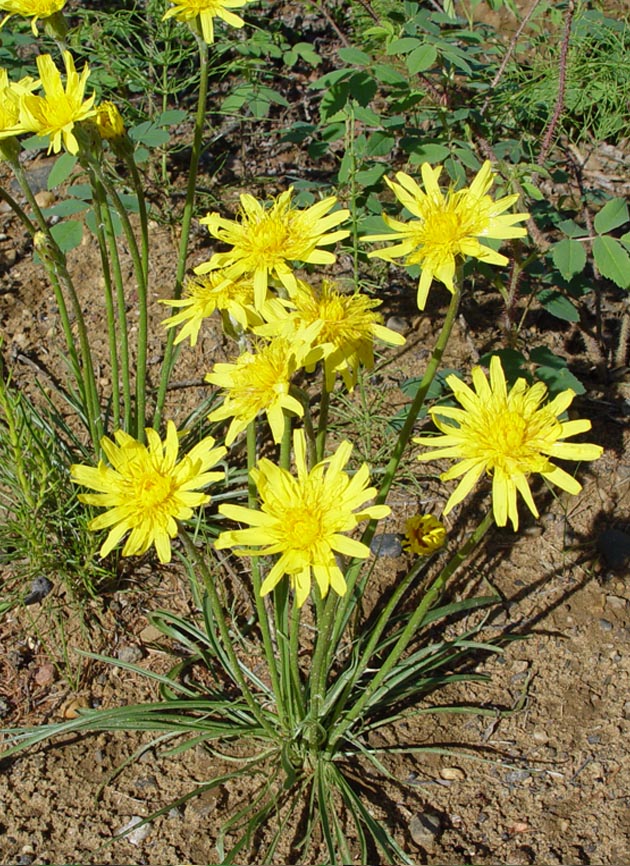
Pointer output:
303, 527
152, 490
510, 440
443, 231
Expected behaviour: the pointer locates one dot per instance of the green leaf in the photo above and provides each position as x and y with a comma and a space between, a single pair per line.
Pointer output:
569, 257
421, 58
403, 46
354, 56
380, 143
67, 234
558, 305
571, 229
65, 208
371, 176
625, 240
427, 153
612, 260
613, 214
173, 115
559, 379
61, 170
363, 87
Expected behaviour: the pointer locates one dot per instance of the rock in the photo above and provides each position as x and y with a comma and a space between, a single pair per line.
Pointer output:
129, 654
136, 837
150, 634
452, 774
386, 544
40, 587
614, 547
45, 675
425, 829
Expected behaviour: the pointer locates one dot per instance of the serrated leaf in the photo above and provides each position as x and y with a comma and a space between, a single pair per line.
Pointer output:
569, 257
67, 234
571, 229
558, 379
558, 305
625, 240
61, 170
612, 260
421, 58
613, 214
354, 56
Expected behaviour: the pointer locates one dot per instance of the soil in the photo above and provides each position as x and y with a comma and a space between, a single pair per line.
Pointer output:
542, 776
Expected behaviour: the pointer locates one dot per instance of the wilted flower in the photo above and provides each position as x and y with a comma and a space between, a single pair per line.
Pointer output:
423, 534
446, 227
303, 519
508, 434
109, 121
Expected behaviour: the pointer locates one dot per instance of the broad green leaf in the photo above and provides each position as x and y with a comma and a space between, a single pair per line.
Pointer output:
388, 75
625, 240
571, 229
363, 87
65, 208
421, 58
354, 56
343, 175
67, 234
611, 216
569, 257
380, 143
173, 115
403, 46
427, 153
612, 260
558, 305
370, 176
559, 379
61, 170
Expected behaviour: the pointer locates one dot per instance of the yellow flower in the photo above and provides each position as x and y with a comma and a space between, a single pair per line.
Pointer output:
30, 8
446, 226
345, 327
258, 381
302, 518
205, 294
186, 10
10, 94
146, 490
423, 534
56, 113
264, 240
509, 435
109, 122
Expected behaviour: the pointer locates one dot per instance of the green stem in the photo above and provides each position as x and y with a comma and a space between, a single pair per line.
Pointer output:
409, 631
390, 470
169, 359
322, 424
141, 282
319, 667
55, 262
142, 210
263, 621
235, 668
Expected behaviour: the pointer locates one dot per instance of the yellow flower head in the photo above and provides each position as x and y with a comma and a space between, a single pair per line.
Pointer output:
187, 10
508, 434
33, 9
423, 534
303, 519
446, 226
344, 325
109, 121
257, 382
10, 94
265, 240
205, 294
146, 490
56, 113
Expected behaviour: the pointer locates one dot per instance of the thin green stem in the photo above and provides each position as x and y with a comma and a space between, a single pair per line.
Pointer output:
409, 631
235, 668
404, 436
322, 424
195, 155
319, 667
55, 262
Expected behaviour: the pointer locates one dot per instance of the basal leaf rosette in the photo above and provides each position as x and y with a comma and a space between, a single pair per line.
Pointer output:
508, 434
201, 14
446, 227
345, 328
146, 489
304, 519
56, 113
266, 240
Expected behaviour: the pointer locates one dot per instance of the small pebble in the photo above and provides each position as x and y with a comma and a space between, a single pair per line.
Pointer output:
136, 837
616, 602
626, 710
540, 737
40, 587
425, 829
386, 544
614, 547
452, 774
605, 625
396, 323
45, 675
129, 653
